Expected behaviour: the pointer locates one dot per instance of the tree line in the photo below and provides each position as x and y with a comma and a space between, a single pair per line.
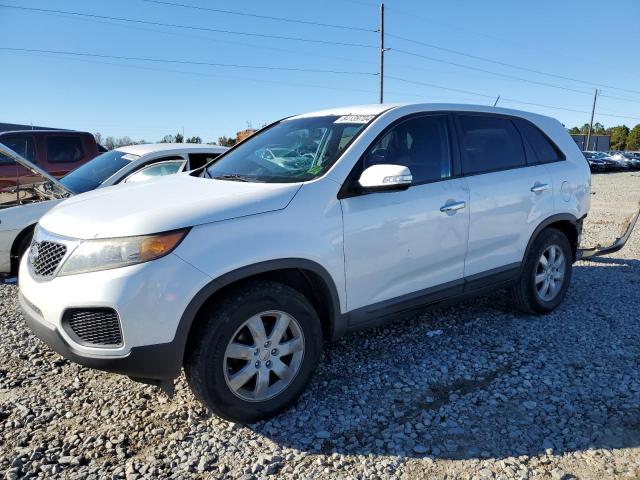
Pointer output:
112, 142
622, 137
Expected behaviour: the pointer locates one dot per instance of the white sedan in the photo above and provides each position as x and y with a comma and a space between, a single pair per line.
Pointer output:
21, 207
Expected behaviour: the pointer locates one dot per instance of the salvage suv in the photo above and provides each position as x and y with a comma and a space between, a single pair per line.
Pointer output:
318, 225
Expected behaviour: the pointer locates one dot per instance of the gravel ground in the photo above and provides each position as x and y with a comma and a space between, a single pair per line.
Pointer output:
471, 391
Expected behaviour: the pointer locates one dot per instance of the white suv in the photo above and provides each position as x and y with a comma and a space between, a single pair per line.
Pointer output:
316, 226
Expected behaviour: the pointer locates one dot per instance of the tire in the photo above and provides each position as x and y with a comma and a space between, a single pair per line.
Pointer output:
212, 366
526, 292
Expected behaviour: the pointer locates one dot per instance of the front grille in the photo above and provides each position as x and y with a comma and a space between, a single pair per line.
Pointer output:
45, 257
93, 326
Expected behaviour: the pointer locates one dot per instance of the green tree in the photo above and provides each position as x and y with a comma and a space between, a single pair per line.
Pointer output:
194, 140
168, 139
598, 129
619, 136
179, 138
226, 141
574, 131
633, 139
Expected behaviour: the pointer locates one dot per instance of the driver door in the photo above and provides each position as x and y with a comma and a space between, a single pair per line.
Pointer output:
402, 245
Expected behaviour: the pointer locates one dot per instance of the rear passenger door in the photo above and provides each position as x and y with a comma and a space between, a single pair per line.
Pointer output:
509, 193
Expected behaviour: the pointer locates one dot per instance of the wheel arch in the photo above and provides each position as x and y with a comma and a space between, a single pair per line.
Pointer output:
566, 223
15, 246
306, 276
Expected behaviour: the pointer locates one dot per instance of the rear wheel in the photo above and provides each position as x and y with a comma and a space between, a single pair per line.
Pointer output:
253, 353
546, 273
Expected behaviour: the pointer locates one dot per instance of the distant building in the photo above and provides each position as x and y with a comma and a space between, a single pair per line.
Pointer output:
7, 127
240, 136
599, 143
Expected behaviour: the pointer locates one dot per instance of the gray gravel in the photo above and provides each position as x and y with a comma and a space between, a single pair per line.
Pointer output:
472, 391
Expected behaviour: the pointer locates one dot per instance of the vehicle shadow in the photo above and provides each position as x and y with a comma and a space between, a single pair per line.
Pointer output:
480, 380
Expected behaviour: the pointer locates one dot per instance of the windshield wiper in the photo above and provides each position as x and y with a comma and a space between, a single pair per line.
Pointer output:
235, 178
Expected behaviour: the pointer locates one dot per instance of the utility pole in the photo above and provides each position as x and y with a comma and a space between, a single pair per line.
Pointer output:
382, 53
496, 102
593, 109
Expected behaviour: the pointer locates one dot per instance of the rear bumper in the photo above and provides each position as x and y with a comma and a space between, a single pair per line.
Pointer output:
160, 361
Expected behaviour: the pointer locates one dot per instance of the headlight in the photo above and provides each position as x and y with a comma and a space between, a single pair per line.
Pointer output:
103, 254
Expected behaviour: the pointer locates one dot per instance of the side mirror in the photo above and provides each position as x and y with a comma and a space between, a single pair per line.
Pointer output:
386, 177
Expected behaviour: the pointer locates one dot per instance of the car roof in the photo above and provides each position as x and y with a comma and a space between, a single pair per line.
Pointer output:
376, 109
44, 132
146, 148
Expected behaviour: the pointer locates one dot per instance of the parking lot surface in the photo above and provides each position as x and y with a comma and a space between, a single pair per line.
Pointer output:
471, 391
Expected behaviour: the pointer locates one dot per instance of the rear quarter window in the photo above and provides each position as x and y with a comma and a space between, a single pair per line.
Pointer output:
544, 150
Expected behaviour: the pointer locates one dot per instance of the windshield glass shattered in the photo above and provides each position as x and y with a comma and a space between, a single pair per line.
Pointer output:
290, 151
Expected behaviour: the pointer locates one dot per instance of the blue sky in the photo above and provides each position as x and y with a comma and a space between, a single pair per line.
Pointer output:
587, 40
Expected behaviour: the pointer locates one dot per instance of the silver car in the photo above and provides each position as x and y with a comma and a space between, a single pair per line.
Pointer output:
21, 207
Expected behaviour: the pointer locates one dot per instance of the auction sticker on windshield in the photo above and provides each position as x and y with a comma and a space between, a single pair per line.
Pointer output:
355, 119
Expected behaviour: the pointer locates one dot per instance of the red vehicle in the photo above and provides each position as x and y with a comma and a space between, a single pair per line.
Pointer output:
55, 151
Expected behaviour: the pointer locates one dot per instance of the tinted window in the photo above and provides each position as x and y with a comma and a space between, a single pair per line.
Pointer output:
23, 146
197, 160
489, 143
157, 170
542, 147
421, 143
64, 149
93, 173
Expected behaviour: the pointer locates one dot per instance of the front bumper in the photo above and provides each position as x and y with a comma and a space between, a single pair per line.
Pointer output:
160, 361
149, 299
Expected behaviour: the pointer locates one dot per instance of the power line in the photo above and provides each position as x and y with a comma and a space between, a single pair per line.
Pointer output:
510, 65
188, 27
213, 75
467, 92
217, 41
186, 62
512, 77
265, 17
457, 90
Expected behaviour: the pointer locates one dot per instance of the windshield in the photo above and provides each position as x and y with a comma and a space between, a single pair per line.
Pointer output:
93, 173
291, 151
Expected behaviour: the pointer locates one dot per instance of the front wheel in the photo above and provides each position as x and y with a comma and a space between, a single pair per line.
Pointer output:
546, 273
253, 353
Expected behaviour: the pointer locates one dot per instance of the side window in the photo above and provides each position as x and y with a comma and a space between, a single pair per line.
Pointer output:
420, 143
23, 146
197, 160
64, 149
155, 170
489, 143
543, 149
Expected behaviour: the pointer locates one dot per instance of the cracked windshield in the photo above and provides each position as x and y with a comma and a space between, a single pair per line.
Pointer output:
291, 151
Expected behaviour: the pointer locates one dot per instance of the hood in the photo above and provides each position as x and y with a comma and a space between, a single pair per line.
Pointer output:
171, 202
33, 168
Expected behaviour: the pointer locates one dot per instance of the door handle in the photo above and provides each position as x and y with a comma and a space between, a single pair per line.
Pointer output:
452, 207
540, 187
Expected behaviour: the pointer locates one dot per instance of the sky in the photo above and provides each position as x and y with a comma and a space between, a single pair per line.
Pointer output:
545, 56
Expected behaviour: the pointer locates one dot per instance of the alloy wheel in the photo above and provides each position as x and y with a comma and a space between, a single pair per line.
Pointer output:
264, 356
550, 273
